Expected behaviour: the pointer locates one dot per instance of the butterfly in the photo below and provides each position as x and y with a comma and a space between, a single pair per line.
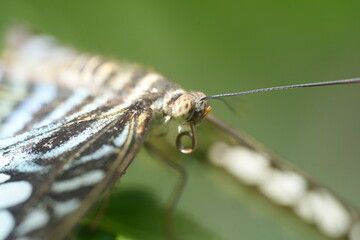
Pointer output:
72, 123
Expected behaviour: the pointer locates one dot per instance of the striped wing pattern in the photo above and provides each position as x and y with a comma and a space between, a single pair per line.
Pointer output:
70, 126
53, 169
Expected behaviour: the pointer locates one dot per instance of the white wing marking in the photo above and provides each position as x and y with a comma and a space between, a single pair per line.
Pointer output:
37, 218
41, 95
87, 179
14, 193
120, 139
7, 224
63, 208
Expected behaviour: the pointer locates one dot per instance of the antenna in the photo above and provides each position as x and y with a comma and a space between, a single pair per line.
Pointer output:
335, 82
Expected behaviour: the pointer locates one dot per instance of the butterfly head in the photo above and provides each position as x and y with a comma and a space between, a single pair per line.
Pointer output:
192, 109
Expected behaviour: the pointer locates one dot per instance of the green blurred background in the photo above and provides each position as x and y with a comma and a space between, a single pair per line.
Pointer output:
220, 47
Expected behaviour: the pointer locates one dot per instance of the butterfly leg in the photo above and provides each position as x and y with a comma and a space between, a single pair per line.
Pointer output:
169, 225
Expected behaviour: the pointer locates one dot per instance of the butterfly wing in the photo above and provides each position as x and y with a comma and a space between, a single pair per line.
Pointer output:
254, 165
71, 126
55, 172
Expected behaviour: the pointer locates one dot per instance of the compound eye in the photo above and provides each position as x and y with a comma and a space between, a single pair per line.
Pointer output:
184, 107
